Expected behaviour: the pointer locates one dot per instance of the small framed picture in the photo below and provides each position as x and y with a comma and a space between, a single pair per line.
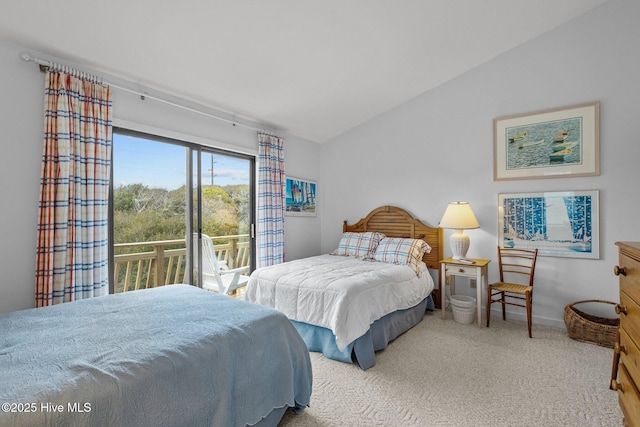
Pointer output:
300, 197
556, 143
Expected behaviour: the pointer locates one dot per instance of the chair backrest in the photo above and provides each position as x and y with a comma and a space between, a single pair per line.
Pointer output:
517, 265
216, 275
210, 264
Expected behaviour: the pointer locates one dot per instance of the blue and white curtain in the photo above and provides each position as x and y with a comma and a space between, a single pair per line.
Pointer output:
72, 253
271, 194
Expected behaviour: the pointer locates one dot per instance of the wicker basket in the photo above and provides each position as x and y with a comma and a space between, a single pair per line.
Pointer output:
589, 328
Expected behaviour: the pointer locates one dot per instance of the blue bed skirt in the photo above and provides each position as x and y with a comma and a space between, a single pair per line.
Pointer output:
362, 350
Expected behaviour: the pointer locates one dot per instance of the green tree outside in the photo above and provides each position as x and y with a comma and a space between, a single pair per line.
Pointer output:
144, 214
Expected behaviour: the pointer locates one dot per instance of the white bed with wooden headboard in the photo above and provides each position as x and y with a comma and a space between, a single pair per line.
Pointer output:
375, 286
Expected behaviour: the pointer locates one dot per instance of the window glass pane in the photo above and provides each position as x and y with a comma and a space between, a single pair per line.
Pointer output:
149, 206
226, 210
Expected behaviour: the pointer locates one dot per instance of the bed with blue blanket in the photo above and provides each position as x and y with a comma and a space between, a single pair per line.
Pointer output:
354, 301
170, 356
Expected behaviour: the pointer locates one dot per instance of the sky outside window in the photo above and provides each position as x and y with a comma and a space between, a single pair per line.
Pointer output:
162, 165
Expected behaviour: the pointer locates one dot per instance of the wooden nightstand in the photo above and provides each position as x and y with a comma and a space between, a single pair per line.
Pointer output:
478, 271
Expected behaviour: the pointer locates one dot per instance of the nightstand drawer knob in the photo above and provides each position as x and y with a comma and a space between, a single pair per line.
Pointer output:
620, 348
461, 270
619, 271
621, 309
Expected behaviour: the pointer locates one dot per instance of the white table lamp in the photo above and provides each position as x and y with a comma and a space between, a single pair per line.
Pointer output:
459, 217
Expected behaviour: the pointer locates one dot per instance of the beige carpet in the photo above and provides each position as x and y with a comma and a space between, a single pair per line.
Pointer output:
442, 373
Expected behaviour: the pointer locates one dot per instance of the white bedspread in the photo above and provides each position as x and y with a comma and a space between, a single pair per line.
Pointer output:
343, 294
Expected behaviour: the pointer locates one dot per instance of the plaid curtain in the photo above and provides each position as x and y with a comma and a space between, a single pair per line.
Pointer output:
72, 253
271, 187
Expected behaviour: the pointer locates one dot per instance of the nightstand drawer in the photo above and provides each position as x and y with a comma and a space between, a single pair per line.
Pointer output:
460, 270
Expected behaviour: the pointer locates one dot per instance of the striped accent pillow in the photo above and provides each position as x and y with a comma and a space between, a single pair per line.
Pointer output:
359, 245
402, 251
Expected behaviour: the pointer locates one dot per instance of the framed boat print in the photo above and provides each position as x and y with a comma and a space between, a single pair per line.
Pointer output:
556, 143
300, 197
557, 223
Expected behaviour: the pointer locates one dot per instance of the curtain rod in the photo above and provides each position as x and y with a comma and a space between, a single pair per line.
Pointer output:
47, 64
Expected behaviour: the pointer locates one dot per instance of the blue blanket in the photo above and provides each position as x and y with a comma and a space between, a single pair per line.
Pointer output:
170, 356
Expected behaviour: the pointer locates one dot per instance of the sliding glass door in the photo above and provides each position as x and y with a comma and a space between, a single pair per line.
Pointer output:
154, 218
223, 200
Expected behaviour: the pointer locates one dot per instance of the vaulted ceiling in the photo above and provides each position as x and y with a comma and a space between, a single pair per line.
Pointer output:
313, 69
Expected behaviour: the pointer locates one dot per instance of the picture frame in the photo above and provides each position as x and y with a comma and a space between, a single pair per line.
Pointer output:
557, 223
300, 197
556, 143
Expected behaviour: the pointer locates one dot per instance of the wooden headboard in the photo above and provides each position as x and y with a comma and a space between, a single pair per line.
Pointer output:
396, 222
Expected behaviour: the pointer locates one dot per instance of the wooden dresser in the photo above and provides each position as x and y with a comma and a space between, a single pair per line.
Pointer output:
628, 347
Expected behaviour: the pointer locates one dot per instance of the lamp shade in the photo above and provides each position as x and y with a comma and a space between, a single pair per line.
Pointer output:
459, 216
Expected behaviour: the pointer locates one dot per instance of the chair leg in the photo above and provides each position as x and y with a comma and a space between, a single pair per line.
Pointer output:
529, 312
488, 308
504, 306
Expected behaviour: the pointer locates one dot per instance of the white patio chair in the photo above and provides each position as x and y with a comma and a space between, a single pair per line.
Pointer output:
216, 275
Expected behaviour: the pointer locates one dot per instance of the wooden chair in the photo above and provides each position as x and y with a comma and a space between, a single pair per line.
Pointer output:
517, 267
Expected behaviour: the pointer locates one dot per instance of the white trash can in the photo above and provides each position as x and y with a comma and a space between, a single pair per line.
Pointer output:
464, 308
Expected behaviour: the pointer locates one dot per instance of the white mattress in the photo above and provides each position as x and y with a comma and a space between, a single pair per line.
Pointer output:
343, 294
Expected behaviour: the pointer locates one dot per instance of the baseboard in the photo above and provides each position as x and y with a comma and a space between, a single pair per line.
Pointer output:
522, 316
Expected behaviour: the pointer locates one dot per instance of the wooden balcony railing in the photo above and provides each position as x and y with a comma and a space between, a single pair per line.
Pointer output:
163, 262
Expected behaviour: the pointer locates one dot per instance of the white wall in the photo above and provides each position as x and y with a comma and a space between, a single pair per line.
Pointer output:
439, 147
21, 124
21, 130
